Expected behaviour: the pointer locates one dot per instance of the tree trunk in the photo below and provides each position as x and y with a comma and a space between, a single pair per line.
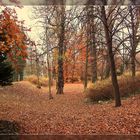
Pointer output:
37, 69
94, 56
37, 73
92, 43
107, 69
133, 65
111, 58
49, 76
60, 81
73, 70
133, 43
21, 75
31, 62
114, 76
86, 69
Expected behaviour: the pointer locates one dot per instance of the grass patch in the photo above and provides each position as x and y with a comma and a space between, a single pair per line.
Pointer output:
33, 79
103, 90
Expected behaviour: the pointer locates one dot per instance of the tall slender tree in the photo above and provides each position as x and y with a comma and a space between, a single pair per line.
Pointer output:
108, 36
60, 81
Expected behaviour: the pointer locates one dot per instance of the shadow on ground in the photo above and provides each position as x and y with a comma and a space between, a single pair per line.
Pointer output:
9, 130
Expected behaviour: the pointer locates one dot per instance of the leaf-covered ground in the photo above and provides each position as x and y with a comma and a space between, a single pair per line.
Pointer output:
68, 113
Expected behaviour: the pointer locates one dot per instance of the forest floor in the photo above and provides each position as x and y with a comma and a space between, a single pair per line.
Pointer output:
67, 113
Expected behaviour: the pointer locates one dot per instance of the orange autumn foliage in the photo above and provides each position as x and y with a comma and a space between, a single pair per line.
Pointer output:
74, 63
13, 40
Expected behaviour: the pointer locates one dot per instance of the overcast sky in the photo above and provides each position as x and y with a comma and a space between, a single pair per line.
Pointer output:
26, 14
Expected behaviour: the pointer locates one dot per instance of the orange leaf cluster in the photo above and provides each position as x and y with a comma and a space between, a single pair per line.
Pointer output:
12, 35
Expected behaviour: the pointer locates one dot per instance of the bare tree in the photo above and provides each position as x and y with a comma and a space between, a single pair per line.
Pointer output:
108, 35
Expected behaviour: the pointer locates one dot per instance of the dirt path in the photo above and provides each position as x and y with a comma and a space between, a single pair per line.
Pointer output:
68, 113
